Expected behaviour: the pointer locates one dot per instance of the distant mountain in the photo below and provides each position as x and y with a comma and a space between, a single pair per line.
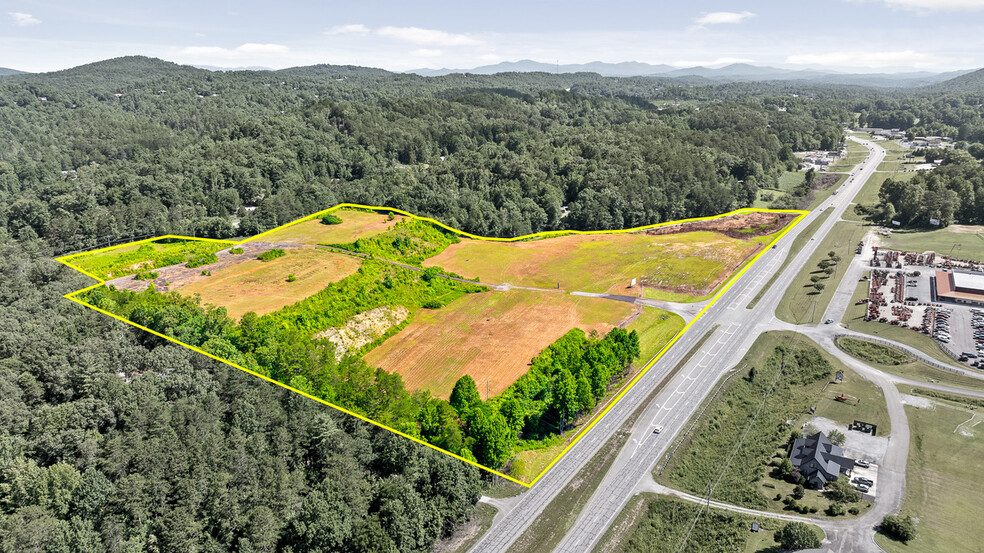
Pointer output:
7, 71
967, 82
623, 69
736, 72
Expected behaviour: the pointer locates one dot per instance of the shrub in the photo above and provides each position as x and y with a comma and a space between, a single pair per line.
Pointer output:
813, 509
206, 272
432, 304
835, 509
291, 277
331, 219
799, 492
236, 251
899, 527
797, 535
146, 275
854, 510
840, 490
778, 497
270, 255
201, 259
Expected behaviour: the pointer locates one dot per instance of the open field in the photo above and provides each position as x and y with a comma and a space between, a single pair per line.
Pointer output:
654, 523
134, 258
491, 336
965, 241
854, 320
802, 304
685, 264
803, 385
354, 225
943, 489
262, 287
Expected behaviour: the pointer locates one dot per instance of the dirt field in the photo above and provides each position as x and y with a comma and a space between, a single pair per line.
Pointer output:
743, 225
688, 263
491, 336
354, 225
262, 287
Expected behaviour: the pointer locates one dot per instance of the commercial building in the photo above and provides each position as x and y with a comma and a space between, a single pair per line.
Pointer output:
960, 287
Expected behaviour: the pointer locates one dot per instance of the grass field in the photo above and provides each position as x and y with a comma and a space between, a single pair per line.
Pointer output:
262, 287
965, 241
491, 336
801, 303
700, 458
134, 258
354, 225
943, 488
685, 264
652, 523
910, 368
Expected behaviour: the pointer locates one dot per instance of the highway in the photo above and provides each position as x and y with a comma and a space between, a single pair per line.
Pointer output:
737, 328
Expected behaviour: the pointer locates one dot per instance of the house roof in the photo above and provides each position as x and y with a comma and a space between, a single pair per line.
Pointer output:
815, 454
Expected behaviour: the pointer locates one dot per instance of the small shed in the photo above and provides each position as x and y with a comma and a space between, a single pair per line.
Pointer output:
755, 527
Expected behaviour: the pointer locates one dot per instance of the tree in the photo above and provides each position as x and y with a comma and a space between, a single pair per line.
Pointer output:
828, 271
784, 468
842, 491
832, 254
464, 396
819, 286
799, 492
899, 527
836, 437
815, 279
751, 374
796, 536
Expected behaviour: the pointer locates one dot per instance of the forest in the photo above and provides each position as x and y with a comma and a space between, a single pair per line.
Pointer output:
114, 440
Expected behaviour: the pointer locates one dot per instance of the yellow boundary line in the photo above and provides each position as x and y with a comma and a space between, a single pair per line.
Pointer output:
548, 234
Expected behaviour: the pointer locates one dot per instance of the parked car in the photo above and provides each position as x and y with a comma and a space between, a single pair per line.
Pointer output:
861, 463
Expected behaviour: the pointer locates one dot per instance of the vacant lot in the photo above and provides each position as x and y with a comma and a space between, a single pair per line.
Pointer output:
134, 258
491, 336
943, 489
354, 225
691, 264
262, 287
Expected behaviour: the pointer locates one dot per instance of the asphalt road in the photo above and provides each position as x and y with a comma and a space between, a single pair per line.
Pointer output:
737, 328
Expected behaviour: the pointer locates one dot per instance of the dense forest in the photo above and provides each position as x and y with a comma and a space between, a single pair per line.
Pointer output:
953, 192
116, 441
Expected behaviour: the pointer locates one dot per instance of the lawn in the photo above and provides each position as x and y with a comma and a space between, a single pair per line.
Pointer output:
802, 304
944, 489
262, 286
686, 264
354, 225
493, 336
133, 258
854, 320
965, 241
652, 523
805, 384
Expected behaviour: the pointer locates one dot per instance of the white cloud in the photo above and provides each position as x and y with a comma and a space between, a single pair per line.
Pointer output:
23, 19
711, 63
351, 29
717, 18
427, 37
427, 52
240, 52
925, 6
872, 59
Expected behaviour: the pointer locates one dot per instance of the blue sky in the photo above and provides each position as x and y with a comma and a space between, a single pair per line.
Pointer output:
849, 35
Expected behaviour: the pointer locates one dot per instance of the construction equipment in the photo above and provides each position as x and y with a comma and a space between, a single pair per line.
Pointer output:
847, 398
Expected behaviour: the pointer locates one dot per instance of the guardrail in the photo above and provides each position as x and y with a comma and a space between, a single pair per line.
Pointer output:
897, 347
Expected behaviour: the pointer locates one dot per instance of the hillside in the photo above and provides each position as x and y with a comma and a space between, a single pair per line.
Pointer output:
968, 82
7, 71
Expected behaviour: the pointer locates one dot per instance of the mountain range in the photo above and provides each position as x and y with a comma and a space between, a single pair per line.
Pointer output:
736, 72
8, 71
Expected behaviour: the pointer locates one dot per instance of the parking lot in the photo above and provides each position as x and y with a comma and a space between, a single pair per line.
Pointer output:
870, 473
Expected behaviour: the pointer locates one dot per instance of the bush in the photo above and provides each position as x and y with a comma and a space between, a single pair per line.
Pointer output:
146, 275
432, 304
778, 496
842, 491
799, 492
291, 277
835, 509
236, 251
331, 219
270, 255
206, 272
854, 510
899, 527
201, 259
797, 535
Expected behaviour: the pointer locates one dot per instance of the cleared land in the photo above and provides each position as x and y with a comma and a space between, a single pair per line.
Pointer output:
802, 304
965, 241
943, 489
354, 225
262, 287
134, 258
679, 264
490, 336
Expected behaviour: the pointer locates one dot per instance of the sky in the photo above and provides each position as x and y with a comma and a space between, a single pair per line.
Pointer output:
844, 35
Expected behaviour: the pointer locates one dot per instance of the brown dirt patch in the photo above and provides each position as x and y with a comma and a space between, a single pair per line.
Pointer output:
743, 226
354, 225
363, 329
490, 336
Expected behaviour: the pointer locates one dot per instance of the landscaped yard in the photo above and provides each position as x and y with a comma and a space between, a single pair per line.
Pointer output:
944, 489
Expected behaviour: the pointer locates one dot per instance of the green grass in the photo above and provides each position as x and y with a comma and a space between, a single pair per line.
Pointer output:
942, 241
802, 304
873, 353
703, 453
943, 484
801, 239
467, 534
910, 367
135, 258
854, 320
653, 523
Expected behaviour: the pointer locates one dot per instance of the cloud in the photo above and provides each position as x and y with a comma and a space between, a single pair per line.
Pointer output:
873, 59
926, 6
717, 18
427, 37
245, 50
351, 29
23, 19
